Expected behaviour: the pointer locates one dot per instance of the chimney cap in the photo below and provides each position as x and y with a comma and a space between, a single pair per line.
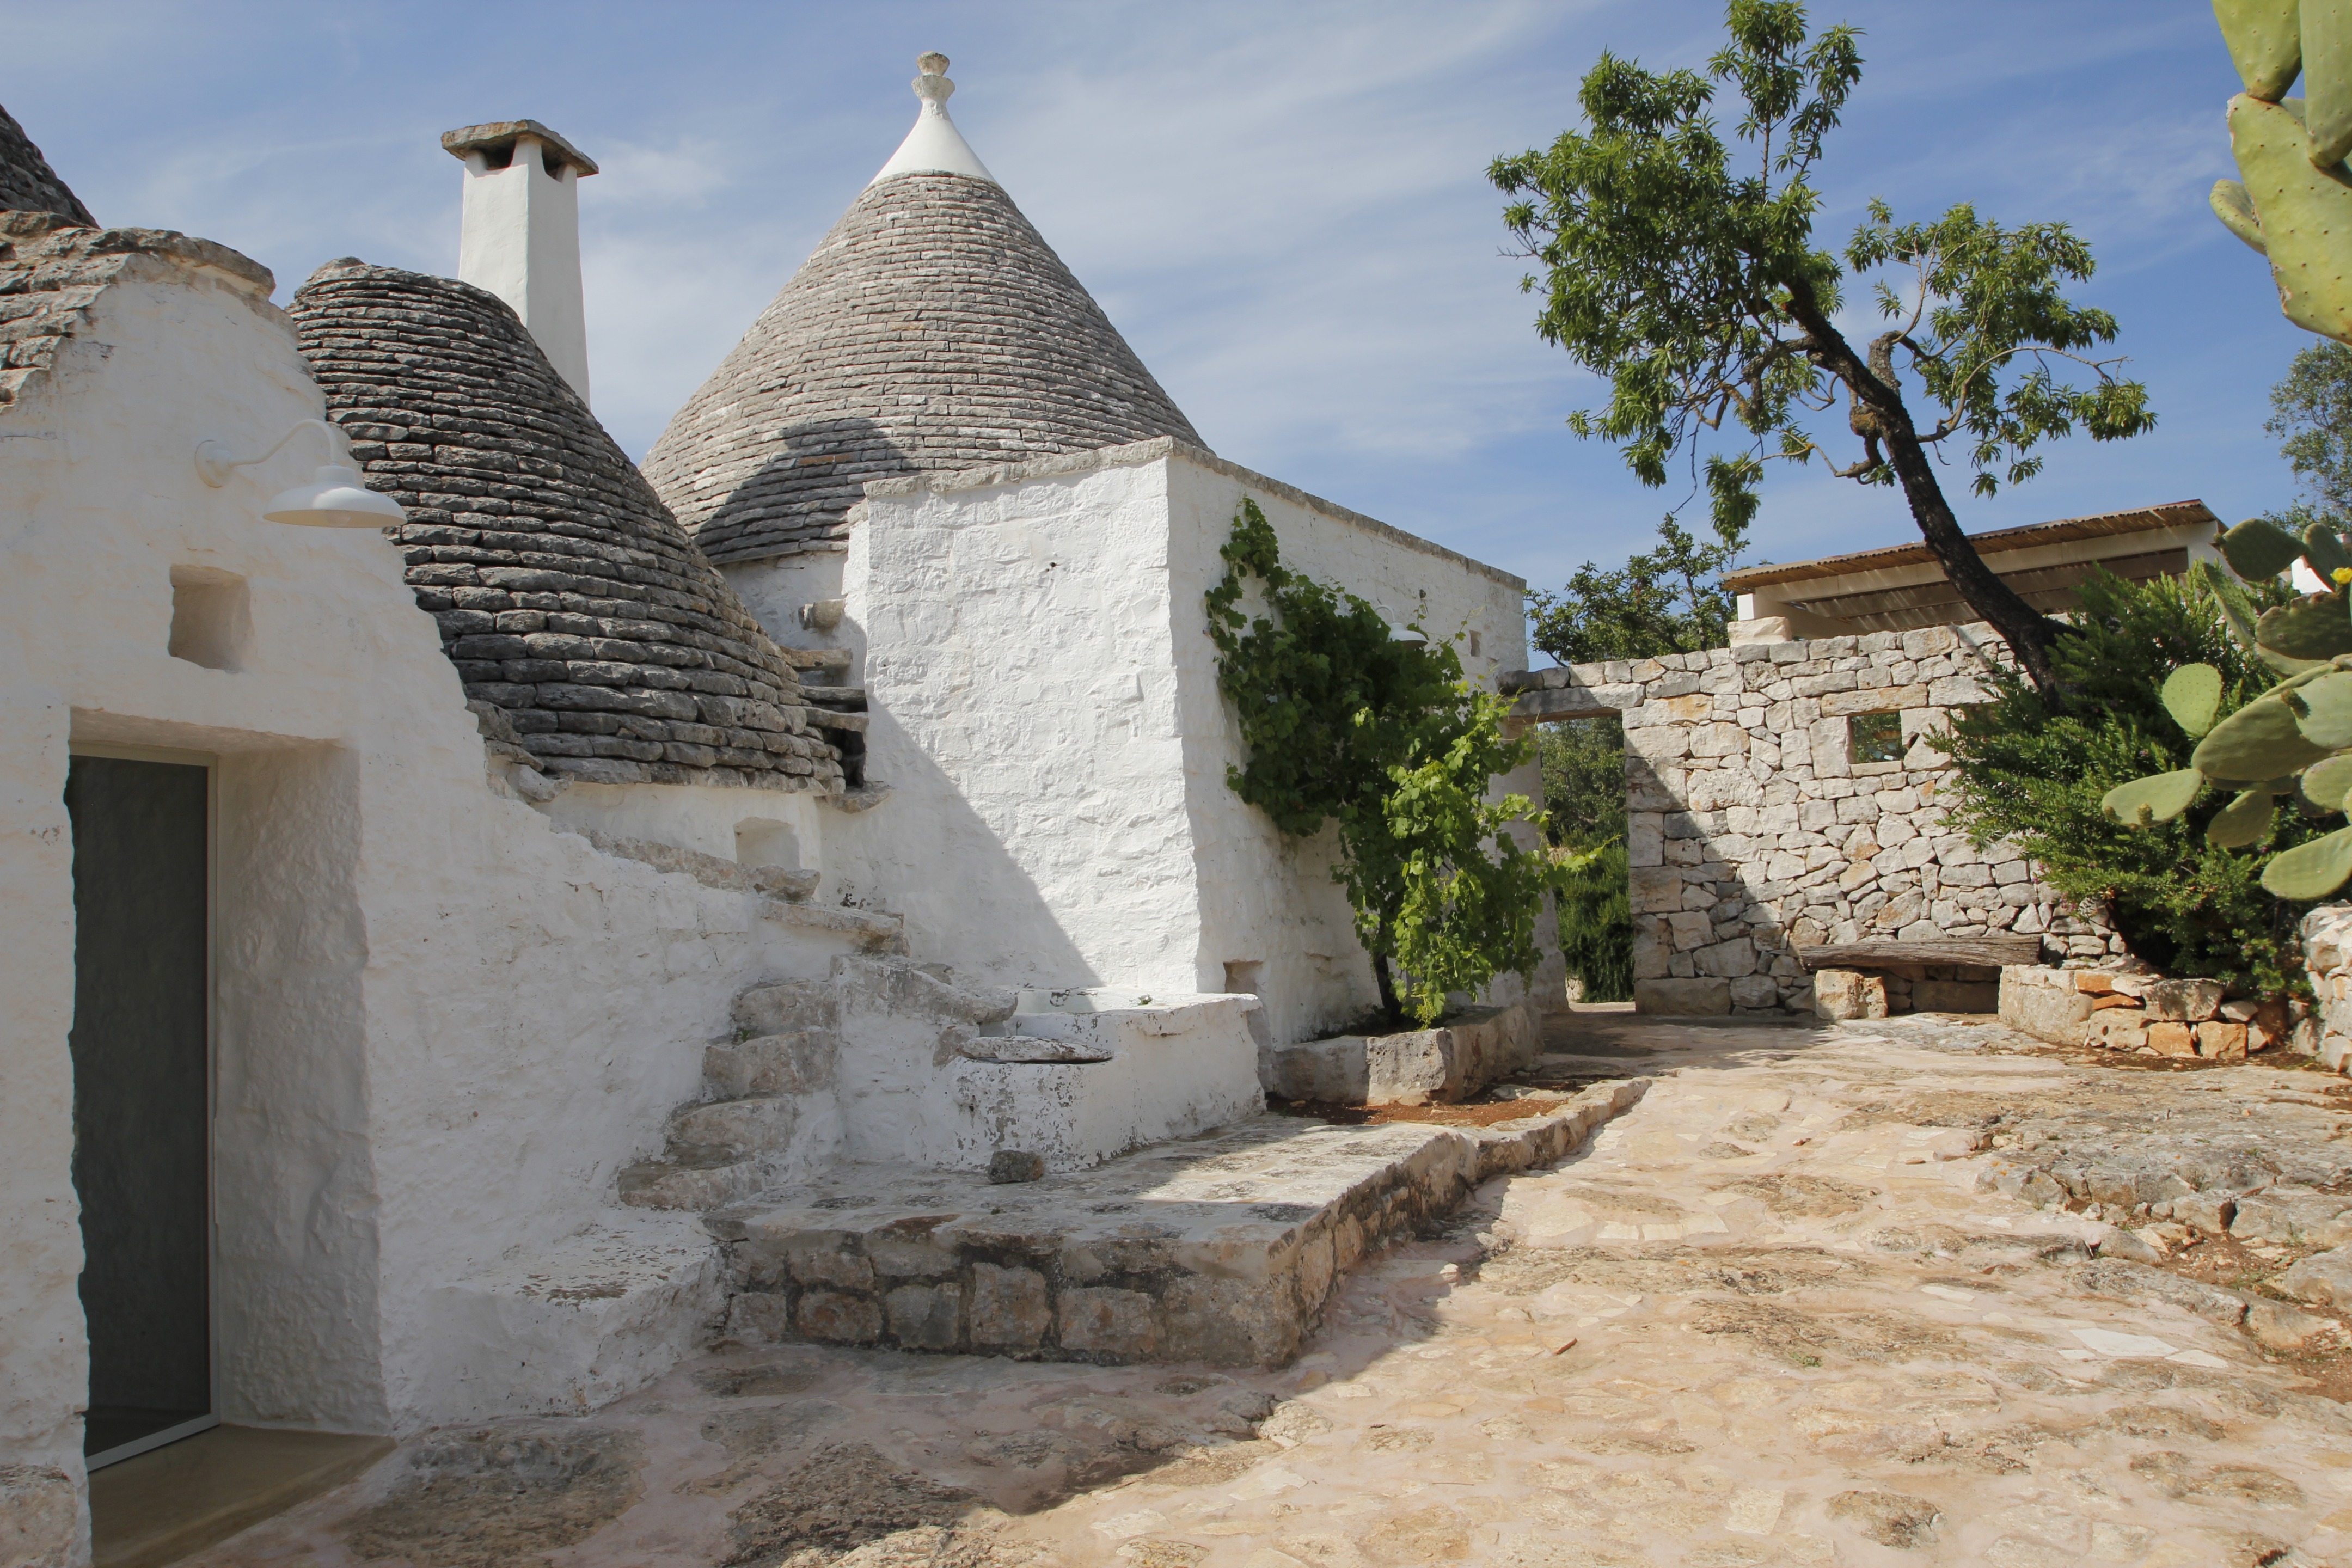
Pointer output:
499, 136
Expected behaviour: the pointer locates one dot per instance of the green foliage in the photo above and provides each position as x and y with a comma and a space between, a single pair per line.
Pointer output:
2311, 408
2037, 777
1995, 303
1343, 722
1670, 600
1583, 762
1596, 920
1684, 270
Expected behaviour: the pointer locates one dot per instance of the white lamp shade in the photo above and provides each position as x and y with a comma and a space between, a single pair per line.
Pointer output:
335, 498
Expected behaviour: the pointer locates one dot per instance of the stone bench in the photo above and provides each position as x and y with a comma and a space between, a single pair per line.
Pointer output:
1945, 975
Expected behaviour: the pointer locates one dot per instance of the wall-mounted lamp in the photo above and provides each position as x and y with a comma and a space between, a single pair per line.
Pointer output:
1407, 634
336, 496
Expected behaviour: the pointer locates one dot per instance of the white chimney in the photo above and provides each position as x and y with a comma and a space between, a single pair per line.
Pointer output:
521, 236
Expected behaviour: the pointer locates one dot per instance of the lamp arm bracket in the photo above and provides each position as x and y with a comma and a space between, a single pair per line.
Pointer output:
215, 462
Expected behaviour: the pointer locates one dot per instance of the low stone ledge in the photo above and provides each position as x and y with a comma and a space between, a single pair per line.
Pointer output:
1419, 1066
1222, 1249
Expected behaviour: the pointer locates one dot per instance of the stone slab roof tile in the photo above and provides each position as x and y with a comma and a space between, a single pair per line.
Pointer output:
933, 329
566, 594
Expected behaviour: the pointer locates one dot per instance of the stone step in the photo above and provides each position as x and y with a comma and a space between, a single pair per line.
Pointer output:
727, 1129
676, 1184
564, 1326
848, 699
800, 1062
867, 928
1219, 1249
788, 1006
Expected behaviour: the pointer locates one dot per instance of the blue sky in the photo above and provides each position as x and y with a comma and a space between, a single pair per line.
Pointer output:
1283, 206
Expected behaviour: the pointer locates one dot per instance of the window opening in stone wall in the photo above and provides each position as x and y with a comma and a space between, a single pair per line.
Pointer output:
1474, 645
1242, 977
1874, 738
212, 617
763, 841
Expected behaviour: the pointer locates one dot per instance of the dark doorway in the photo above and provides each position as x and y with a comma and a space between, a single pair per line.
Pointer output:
142, 1098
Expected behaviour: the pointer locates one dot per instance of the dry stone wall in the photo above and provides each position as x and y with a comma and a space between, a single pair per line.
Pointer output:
1752, 829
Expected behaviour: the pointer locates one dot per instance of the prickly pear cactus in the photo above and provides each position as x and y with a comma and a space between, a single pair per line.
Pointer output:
2293, 199
2292, 743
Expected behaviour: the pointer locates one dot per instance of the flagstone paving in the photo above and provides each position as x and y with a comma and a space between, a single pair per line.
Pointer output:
1780, 1312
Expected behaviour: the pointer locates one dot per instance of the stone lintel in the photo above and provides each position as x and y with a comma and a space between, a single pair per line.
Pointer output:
496, 140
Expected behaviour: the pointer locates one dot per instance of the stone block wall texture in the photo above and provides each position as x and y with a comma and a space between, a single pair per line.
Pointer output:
1750, 830
566, 594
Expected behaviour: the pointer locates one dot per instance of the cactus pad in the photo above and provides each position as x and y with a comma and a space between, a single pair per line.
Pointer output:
2258, 743
2192, 695
2157, 799
2311, 870
2242, 822
2329, 783
2326, 26
2324, 709
2314, 628
2259, 548
2304, 214
2265, 40
2323, 547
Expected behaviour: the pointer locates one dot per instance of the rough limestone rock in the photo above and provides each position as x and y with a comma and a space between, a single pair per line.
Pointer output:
2323, 1279
1849, 994
2045, 1003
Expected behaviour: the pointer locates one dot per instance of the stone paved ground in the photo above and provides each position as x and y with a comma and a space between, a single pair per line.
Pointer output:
1770, 1318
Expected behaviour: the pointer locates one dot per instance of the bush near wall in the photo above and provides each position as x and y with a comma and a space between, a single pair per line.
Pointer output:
2034, 775
1583, 762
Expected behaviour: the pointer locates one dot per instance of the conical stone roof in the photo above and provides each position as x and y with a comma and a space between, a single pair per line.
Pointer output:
933, 328
27, 184
566, 592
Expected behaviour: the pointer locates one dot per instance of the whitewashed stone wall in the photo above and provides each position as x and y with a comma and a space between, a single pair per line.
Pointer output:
1045, 709
443, 1022
1750, 828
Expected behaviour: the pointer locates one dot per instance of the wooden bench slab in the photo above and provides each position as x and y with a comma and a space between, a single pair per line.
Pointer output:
1978, 951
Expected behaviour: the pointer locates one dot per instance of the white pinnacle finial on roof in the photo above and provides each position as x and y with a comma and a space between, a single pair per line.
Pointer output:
934, 146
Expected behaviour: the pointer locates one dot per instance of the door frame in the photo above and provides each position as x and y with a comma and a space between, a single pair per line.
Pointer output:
210, 762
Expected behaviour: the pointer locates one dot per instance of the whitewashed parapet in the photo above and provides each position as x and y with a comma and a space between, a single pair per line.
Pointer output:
1751, 830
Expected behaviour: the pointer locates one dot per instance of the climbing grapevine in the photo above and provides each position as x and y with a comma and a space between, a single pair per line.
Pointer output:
1343, 722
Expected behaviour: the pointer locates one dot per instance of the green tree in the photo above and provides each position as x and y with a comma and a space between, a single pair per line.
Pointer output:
1343, 722
1689, 279
1671, 600
1583, 762
2311, 409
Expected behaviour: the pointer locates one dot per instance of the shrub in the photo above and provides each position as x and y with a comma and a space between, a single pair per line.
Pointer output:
1344, 722
2035, 777
1596, 922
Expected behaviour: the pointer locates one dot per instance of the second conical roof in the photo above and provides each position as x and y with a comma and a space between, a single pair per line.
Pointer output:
933, 328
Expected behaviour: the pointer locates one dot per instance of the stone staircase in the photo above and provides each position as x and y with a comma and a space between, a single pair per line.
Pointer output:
771, 1112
